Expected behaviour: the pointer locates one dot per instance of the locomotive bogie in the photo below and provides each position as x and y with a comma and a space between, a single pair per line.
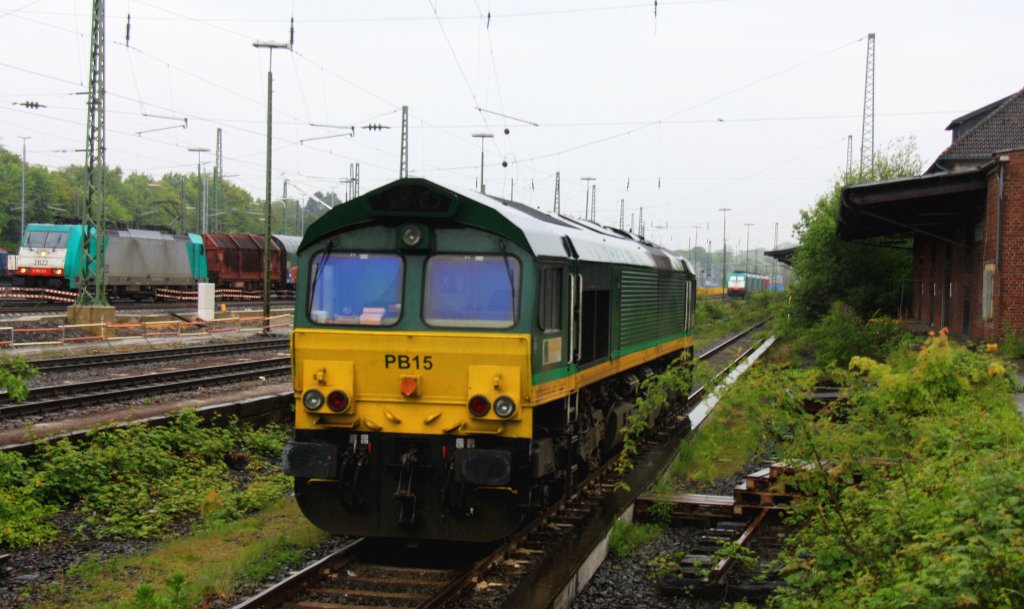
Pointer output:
426, 487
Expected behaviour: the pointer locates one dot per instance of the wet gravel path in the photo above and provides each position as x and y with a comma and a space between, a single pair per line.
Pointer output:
630, 581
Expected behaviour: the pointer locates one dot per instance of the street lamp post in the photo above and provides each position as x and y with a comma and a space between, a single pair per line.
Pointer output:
775, 246
24, 138
693, 250
482, 136
746, 257
202, 184
270, 46
723, 210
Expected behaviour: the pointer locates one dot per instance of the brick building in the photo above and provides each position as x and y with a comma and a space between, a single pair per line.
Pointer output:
965, 217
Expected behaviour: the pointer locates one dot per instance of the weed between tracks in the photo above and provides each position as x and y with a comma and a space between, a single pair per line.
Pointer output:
190, 570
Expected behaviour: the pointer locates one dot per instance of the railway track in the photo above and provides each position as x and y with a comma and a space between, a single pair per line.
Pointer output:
523, 567
349, 578
74, 395
40, 307
136, 357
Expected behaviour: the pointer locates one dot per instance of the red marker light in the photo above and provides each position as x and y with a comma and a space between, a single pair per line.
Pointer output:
479, 405
337, 401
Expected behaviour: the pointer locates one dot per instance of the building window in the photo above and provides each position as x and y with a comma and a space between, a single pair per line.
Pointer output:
986, 291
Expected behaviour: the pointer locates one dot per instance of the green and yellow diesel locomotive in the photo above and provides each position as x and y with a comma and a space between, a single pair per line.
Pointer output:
460, 360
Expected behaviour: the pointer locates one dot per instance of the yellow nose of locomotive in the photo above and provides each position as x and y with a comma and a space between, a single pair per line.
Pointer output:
412, 383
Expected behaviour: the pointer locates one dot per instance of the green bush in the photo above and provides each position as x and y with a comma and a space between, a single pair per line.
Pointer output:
1012, 345
711, 310
661, 513
147, 597
14, 375
24, 520
914, 487
138, 481
626, 537
842, 334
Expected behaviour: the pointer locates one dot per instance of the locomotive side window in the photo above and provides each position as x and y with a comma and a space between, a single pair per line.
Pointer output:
550, 314
471, 291
356, 289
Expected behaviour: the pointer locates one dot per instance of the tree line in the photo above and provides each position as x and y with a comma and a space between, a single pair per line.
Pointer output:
138, 200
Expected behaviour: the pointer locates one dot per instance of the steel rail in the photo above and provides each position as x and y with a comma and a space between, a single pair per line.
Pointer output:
729, 341
699, 392
56, 397
61, 308
290, 586
134, 357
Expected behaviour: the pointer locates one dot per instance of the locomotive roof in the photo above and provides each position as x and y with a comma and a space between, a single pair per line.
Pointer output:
142, 233
291, 243
540, 232
50, 227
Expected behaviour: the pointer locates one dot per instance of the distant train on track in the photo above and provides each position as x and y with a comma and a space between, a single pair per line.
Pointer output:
741, 283
460, 360
141, 262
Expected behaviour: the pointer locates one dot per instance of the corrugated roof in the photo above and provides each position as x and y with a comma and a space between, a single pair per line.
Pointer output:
1002, 129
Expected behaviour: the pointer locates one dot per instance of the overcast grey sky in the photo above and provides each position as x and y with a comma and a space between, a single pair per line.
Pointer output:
699, 105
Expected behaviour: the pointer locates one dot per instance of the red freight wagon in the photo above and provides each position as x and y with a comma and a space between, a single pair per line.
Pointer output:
236, 260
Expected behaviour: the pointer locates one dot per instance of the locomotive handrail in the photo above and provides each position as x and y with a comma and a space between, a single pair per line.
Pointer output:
572, 318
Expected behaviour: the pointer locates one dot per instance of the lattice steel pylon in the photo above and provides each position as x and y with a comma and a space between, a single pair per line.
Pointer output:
403, 164
92, 290
867, 130
849, 153
557, 208
218, 194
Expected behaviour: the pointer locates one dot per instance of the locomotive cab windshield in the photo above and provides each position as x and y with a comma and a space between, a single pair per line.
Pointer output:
471, 291
357, 289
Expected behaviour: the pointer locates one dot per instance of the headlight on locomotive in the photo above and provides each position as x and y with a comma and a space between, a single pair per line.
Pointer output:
312, 399
479, 406
337, 401
504, 407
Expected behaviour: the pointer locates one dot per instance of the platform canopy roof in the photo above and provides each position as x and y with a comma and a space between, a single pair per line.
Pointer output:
922, 205
783, 255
